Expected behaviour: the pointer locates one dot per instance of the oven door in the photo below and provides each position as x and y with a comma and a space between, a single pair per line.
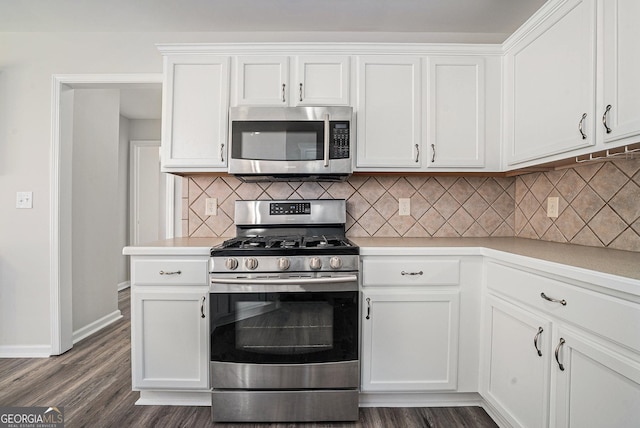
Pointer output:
266, 335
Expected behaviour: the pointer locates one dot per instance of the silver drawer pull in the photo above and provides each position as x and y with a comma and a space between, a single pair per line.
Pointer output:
535, 341
177, 272
584, 136
604, 119
550, 299
403, 273
560, 343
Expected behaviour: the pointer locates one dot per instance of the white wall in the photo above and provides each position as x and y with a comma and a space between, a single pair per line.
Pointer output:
95, 218
123, 198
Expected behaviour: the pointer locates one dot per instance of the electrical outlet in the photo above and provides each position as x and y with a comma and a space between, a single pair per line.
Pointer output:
211, 206
552, 207
24, 200
404, 206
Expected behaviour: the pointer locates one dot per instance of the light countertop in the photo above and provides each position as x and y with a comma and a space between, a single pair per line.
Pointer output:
603, 260
615, 262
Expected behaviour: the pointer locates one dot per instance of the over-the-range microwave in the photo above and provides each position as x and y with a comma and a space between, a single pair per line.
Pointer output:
291, 143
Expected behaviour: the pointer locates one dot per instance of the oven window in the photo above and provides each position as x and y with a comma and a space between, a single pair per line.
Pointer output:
284, 327
278, 140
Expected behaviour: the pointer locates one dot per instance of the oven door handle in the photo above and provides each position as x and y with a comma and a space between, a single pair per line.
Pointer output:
285, 281
284, 285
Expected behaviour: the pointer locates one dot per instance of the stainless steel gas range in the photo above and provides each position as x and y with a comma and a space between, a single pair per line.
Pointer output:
284, 315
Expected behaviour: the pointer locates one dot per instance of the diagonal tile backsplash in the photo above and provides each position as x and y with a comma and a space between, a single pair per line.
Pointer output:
440, 206
599, 204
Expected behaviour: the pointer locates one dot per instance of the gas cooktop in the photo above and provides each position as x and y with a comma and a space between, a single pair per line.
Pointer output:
285, 245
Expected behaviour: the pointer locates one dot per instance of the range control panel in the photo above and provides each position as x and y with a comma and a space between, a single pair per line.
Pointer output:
290, 208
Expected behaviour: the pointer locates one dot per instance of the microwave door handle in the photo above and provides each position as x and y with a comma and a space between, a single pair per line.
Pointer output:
326, 140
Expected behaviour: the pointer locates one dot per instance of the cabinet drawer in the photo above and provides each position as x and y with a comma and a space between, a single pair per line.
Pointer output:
610, 317
169, 271
410, 271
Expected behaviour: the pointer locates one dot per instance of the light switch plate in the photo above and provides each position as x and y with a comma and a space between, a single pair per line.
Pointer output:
211, 206
24, 200
552, 207
404, 206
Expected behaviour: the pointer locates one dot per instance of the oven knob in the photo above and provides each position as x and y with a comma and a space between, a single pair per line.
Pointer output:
251, 263
231, 264
335, 262
315, 263
283, 263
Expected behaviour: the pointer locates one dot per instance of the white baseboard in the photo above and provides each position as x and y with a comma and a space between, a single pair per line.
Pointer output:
420, 399
124, 285
174, 398
95, 326
495, 415
25, 351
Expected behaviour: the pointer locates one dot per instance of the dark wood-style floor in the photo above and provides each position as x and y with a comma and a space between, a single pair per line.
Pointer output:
93, 384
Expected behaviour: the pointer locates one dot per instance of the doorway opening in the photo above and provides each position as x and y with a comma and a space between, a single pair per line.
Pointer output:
95, 117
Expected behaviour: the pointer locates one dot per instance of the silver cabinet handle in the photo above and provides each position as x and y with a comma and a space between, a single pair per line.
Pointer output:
202, 307
284, 85
417, 153
551, 299
327, 128
584, 136
560, 365
368, 308
177, 272
403, 273
535, 341
222, 152
300, 91
604, 119
433, 153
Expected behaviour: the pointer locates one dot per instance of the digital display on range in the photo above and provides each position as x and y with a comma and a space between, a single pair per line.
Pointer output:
290, 208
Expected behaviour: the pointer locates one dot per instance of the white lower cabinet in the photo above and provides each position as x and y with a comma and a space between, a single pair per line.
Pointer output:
170, 332
410, 340
586, 374
517, 364
596, 387
169, 323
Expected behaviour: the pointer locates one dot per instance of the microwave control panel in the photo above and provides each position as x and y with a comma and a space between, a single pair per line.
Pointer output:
339, 143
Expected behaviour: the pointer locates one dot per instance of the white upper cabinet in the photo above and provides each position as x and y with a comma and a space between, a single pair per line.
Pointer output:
456, 111
261, 80
321, 80
194, 117
620, 70
389, 101
313, 80
550, 86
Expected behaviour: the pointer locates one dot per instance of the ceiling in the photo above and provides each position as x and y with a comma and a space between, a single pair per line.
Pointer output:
481, 20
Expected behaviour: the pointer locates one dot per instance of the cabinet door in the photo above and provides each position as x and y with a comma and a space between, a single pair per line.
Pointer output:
621, 68
517, 375
262, 80
389, 118
410, 340
321, 80
456, 112
598, 386
551, 96
196, 91
169, 342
